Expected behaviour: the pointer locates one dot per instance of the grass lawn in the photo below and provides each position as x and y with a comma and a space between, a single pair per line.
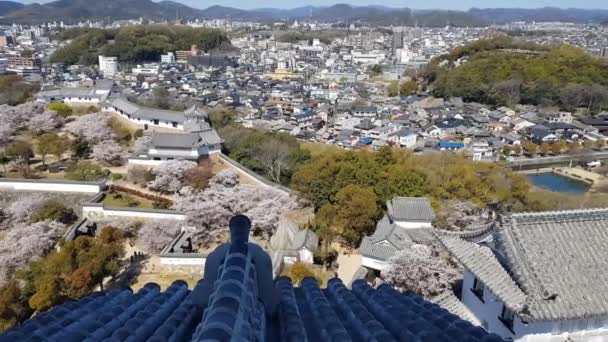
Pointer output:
124, 200
164, 280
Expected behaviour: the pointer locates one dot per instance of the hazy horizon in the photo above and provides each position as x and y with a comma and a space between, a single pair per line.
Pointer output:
415, 4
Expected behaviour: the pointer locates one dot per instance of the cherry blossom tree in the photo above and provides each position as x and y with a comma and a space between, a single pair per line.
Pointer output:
141, 144
92, 127
210, 210
14, 118
24, 242
154, 235
21, 209
421, 269
170, 175
44, 122
108, 151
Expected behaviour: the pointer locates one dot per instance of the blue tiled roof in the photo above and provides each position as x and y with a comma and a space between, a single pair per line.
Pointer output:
451, 144
234, 303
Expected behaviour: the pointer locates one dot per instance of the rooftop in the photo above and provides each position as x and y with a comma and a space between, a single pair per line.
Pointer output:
238, 300
546, 265
410, 209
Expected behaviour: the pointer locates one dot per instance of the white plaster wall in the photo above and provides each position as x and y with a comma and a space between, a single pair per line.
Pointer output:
305, 256
550, 331
165, 260
189, 154
145, 162
150, 123
373, 263
98, 212
411, 225
53, 187
87, 100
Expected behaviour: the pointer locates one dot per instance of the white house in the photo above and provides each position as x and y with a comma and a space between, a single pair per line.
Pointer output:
108, 66
545, 280
404, 138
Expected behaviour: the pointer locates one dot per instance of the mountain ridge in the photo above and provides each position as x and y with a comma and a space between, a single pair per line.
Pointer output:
72, 11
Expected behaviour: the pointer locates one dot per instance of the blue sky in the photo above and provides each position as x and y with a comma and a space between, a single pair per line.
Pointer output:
426, 4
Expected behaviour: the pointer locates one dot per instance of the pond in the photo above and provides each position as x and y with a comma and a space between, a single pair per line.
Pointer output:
554, 182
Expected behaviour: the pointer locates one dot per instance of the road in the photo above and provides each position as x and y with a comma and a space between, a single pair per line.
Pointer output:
563, 160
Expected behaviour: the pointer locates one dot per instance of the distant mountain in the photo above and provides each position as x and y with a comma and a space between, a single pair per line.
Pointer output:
78, 10
9, 6
545, 14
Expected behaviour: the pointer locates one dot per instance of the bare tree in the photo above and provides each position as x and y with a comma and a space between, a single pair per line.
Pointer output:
274, 156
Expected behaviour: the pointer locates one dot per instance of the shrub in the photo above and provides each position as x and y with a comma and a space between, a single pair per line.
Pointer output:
54, 210
298, 271
116, 176
138, 133
61, 108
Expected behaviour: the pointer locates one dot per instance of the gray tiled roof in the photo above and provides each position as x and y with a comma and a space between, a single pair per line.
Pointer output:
560, 260
174, 140
484, 265
185, 140
386, 240
450, 302
148, 113
410, 209
238, 301
305, 238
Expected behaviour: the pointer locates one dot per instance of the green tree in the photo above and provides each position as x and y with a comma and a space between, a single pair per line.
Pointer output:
61, 108
51, 143
80, 148
393, 89
375, 70
408, 88
355, 212
531, 148
545, 148
13, 305
54, 210
84, 171
21, 153
75, 271
222, 118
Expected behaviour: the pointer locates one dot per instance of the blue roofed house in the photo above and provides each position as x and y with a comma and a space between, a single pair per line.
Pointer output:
238, 300
450, 145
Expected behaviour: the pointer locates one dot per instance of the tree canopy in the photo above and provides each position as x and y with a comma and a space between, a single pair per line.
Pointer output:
136, 43
505, 71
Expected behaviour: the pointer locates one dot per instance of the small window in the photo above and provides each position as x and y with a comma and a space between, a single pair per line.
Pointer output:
478, 289
156, 122
506, 317
174, 124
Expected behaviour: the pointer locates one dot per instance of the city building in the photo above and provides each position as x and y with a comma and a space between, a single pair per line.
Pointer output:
108, 66
543, 280
24, 62
169, 58
238, 300
3, 65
